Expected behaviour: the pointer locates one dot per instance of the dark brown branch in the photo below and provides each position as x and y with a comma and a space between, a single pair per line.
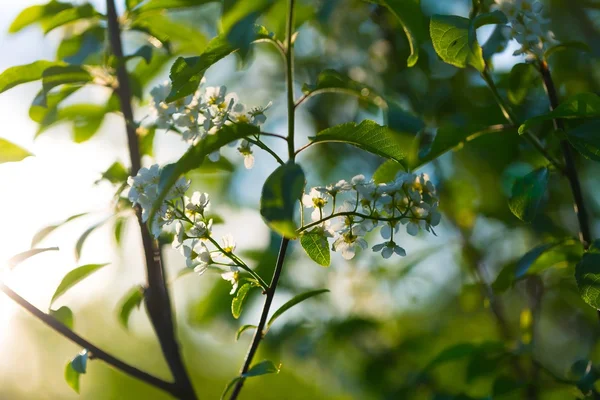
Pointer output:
585, 234
96, 351
157, 298
259, 334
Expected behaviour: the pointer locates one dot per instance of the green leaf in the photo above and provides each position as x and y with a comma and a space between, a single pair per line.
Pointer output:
262, 368
131, 4
19, 258
531, 256
521, 79
582, 105
331, 81
167, 31
132, 300
279, 198
10, 152
490, 18
450, 37
496, 43
147, 141
587, 274
44, 108
238, 301
581, 46
82, 48
73, 277
72, 377
37, 13
238, 23
243, 329
64, 315
69, 15
410, 16
42, 233
196, 155
20, 74
527, 194
368, 136
116, 173
387, 171
315, 244
585, 138
118, 229
79, 363
296, 300
152, 5
229, 386
144, 52
86, 119
84, 236
64, 74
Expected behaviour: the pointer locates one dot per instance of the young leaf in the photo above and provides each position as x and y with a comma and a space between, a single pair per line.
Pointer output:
410, 16
132, 300
531, 256
64, 315
262, 368
368, 136
243, 329
116, 173
387, 171
195, 156
582, 105
331, 81
497, 42
64, 74
69, 15
450, 37
581, 46
42, 233
118, 229
19, 258
14, 76
83, 48
527, 194
72, 377
10, 152
279, 198
521, 79
44, 106
84, 236
587, 274
73, 277
586, 140
238, 301
315, 244
79, 363
37, 13
296, 300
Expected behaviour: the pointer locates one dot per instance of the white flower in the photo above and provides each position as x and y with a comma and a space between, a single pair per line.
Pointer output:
233, 276
178, 190
386, 231
317, 200
389, 248
335, 188
201, 230
348, 242
245, 149
179, 235
228, 243
198, 204
196, 256
417, 220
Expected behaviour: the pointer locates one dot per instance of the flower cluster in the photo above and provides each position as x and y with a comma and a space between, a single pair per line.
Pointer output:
204, 113
193, 226
409, 200
528, 27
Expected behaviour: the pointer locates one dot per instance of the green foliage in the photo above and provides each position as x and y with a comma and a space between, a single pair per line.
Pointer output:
81, 241
19, 258
73, 277
315, 244
154, 5
116, 173
520, 81
587, 274
10, 152
118, 229
72, 377
291, 303
238, 301
585, 139
42, 233
279, 198
368, 136
408, 13
450, 36
574, 45
527, 194
331, 81
15, 76
38, 13
496, 43
132, 300
528, 260
243, 329
582, 105
64, 315
262, 368
69, 15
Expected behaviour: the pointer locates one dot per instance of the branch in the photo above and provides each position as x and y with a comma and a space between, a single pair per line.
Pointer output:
259, 334
157, 298
585, 234
97, 352
289, 78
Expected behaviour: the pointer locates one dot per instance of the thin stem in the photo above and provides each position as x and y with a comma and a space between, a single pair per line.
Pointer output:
289, 78
275, 135
157, 298
259, 334
94, 350
267, 149
306, 146
585, 234
355, 214
511, 117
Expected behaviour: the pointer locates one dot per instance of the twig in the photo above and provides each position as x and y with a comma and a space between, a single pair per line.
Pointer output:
157, 298
96, 351
258, 334
289, 64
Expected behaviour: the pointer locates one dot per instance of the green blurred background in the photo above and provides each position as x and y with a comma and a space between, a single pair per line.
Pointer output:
380, 332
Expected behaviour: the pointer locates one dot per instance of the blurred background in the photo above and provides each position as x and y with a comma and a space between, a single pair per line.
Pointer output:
419, 327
